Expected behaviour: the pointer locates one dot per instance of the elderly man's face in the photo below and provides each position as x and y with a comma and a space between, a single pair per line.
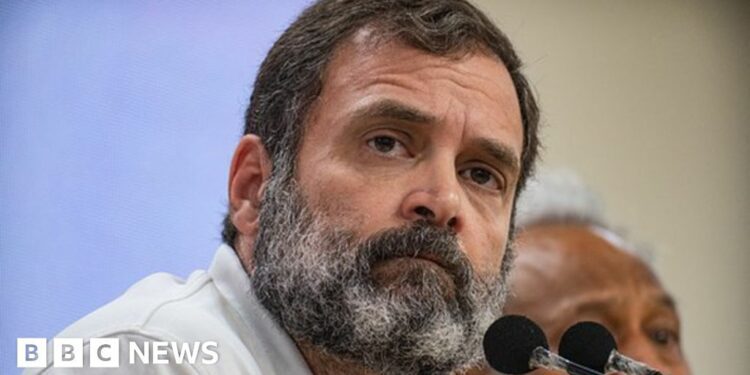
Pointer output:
399, 135
569, 273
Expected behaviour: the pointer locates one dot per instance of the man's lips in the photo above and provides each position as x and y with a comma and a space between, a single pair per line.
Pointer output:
431, 258
422, 256
402, 259
419, 262
394, 267
426, 255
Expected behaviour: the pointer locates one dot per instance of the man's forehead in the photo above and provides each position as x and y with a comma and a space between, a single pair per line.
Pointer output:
373, 36
571, 236
612, 302
369, 45
569, 249
577, 254
481, 77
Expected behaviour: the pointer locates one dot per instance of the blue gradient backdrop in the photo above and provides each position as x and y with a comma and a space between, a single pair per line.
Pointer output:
117, 124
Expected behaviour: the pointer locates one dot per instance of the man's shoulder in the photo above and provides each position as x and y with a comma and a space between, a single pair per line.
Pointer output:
160, 303
163, 308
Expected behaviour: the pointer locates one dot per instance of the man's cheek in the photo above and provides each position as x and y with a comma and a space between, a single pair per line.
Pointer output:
485, 254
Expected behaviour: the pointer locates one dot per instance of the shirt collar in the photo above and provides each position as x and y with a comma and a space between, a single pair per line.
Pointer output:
272, 348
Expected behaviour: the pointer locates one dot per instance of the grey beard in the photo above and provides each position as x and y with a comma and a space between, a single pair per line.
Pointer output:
317, 281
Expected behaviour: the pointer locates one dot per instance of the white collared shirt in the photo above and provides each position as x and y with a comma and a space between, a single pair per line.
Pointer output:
210, 306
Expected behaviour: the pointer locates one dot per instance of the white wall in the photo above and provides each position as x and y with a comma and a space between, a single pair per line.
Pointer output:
648, 101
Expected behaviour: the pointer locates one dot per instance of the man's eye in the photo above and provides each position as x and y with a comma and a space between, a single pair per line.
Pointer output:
482, 177
664, 337
387, 145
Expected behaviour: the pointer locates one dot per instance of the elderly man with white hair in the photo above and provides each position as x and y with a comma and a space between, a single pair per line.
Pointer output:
572, 266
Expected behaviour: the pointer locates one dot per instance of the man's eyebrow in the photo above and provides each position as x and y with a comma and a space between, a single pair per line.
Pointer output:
596, 305
668, 301
392, 109
605, 304
396, 110
502, 154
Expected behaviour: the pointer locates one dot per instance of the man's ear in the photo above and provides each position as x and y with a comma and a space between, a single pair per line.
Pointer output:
251, 168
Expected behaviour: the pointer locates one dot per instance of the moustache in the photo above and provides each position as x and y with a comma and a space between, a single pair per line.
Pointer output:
420, 240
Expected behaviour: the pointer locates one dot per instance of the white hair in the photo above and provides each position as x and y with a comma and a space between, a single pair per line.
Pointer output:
559, 196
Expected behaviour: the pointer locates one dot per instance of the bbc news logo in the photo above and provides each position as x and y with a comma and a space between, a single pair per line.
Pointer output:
105, 352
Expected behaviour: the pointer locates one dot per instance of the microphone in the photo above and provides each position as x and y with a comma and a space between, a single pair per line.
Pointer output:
591, 345
514, 345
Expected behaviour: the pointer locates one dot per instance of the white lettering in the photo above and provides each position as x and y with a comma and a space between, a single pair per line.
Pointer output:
159, 350
184, 350
134, 350
105, 352
213, 354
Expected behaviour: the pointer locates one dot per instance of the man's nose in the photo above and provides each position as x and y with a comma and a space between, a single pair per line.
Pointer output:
435, 197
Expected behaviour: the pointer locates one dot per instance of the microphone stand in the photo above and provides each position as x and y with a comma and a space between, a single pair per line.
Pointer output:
544, 358
619, 363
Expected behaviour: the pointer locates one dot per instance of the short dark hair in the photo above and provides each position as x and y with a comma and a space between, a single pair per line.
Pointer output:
291, 76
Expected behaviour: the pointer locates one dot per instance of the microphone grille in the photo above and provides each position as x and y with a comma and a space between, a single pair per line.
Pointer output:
589, 344
509, 342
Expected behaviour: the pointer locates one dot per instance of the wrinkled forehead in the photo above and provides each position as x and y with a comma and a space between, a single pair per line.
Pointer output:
475, 85
372, 40
370, 43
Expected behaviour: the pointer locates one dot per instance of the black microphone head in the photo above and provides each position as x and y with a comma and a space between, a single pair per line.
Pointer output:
509, 342
588, 344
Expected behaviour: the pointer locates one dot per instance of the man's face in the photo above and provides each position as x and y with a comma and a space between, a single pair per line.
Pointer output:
387, 244
398, 135
564, 274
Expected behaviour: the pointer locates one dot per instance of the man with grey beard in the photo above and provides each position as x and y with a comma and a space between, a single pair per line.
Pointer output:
370, 203
322, 284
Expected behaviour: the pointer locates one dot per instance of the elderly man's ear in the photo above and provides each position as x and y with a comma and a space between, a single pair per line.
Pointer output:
251, 168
